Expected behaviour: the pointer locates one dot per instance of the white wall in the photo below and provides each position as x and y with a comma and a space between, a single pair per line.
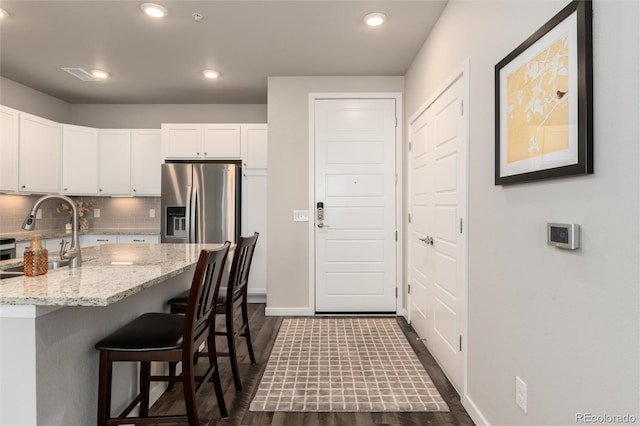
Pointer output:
150, 116
566, 322
288, 180
23, 98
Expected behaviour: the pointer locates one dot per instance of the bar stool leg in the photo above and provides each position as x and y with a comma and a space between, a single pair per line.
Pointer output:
247, 333
172, 375
189, 386
215, 377
145, 372
231, 343
104, 388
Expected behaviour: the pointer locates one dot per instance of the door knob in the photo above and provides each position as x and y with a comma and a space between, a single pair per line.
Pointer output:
427, 240
322, 225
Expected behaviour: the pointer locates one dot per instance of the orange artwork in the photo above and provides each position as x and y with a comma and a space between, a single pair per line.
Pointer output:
538, 104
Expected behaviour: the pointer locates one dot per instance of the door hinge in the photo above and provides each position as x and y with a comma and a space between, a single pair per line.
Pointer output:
396, 292
461, 343
461, 225
396, 235
461, 107
396, 121
409, 217
410, 146
408, 288
396, 178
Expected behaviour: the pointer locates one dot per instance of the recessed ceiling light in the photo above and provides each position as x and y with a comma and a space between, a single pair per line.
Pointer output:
211, 74
99, 74
3, 13
375, 19
154, 10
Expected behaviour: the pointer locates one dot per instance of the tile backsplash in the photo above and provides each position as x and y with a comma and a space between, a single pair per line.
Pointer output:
115, 212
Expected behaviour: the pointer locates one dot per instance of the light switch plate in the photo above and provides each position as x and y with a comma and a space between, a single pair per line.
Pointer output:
301, 215
96, 212
152, 212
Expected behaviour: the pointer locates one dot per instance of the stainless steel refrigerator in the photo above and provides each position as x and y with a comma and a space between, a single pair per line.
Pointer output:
200, 202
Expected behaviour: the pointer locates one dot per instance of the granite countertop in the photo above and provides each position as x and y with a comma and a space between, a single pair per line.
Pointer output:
57, 233
108, 273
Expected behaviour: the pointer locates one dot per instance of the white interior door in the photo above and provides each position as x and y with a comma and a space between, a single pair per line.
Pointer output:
355, 179
437, 244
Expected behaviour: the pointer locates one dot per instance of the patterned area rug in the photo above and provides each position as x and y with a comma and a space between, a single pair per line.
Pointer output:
344, 364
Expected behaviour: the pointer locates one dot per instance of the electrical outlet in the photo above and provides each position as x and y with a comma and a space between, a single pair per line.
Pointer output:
39, 214
96, 212
152, 212
521, 394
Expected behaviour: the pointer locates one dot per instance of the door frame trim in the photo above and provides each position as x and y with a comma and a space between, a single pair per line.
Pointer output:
462, 72
397, 96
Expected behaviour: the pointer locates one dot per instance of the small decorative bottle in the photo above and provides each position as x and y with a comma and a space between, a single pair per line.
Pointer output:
35, 258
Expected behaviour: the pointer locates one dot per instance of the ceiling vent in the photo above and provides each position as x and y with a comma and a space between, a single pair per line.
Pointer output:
81, 74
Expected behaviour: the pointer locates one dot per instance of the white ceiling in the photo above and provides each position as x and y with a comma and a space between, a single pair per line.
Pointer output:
160, 61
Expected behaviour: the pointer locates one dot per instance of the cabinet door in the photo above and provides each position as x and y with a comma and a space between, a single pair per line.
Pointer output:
79, 160
182, 140
114, 162
254, 146
254, 219
146, 159
40, 146
221, 141
9, 122
98, 240
148, 239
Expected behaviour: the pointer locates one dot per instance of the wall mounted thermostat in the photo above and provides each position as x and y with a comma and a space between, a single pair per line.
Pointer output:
563, 235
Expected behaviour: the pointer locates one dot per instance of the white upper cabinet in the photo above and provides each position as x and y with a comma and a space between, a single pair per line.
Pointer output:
9, 143
79, 160
40, 151
146, 160
221, 141
254, 146
114, 162
182, 140
201, 141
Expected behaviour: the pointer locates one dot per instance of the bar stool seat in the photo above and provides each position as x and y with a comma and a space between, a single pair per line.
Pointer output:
148, 332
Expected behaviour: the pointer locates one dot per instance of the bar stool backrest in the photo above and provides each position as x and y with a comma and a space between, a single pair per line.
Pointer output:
203, 294
239, 275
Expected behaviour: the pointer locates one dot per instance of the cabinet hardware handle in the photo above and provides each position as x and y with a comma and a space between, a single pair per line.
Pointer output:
197, 153
99, 190
205, 153
24, 186
134, 190
66, 189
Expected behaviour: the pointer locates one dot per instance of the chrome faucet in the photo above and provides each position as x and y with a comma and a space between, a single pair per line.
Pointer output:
72, 253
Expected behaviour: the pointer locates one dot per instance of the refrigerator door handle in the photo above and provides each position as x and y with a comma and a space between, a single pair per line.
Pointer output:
193, 219
188, 214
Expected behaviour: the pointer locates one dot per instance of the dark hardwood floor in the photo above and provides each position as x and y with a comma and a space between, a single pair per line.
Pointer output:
264, 331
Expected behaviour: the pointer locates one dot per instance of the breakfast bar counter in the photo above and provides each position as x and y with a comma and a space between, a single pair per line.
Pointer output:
49, 324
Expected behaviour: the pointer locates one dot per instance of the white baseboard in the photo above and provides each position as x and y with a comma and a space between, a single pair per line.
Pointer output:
289, 312
474, 412
257, 295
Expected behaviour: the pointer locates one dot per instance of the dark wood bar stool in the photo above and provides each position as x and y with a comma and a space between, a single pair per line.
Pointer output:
233, 297
172, 338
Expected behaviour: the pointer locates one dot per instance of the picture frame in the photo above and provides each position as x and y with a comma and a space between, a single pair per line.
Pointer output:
544, 101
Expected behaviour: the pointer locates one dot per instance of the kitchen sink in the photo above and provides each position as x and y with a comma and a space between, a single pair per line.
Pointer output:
52, 264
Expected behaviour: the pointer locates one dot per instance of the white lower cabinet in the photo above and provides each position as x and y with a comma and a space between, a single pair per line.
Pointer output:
149, 239
254, 219
98, 240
